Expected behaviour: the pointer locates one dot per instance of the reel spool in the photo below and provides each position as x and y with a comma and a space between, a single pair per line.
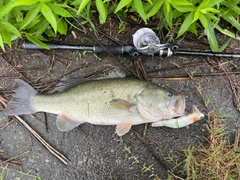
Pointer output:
146, 42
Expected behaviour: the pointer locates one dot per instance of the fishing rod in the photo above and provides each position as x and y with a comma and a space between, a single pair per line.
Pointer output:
145, 42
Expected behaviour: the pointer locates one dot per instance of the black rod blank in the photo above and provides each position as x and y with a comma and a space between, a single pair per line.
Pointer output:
211, 54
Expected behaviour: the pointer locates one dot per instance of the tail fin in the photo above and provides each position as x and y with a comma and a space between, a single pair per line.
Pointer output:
21, 101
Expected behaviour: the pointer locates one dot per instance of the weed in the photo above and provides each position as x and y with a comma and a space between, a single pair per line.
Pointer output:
145, 168
217, 160
22, 175
4, 173
221, 114
37, 19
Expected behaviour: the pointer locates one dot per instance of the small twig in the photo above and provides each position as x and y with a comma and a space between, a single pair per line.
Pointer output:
141, 68
6, 123
8, 160
10, 65
2, 151
57, 154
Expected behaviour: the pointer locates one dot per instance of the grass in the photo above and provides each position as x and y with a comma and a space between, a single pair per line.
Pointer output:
145, 168
218, 159
4, 174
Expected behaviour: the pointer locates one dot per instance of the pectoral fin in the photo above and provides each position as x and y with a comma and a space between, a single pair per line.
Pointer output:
123, 128
65, 124
121, 104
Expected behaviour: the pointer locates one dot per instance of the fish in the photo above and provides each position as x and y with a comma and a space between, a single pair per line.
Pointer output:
118, 101
181, 121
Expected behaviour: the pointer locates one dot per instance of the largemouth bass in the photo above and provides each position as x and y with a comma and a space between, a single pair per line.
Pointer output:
121, 102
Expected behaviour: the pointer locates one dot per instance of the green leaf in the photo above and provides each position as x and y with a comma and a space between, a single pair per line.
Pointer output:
183, 5
149, 1
214, 2
42, 26
225, 45
122, 4
211, 16
185, 8
102, 9
212, 38
140, 10
36, 41
62, 26
193, 28
203, 4
30, 16
47, 13
167, 6
33, 23
6, 9
180, 3
211, 10
196, 16
203, 20
1, 43
229, 18
49, 32
9, 27
82, 5
227, 32
168, 15
155, 8
186, 24
59, 10
1, 4
24, 3
233, 7
7, 37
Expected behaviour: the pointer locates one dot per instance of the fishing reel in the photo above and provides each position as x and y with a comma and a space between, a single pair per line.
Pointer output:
146, 42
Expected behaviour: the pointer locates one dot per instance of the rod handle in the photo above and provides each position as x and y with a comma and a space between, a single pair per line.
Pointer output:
113, 49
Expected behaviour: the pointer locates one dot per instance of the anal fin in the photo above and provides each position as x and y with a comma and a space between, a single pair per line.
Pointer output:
65, 124
123, 128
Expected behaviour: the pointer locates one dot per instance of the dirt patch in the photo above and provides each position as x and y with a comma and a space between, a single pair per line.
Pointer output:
95, 152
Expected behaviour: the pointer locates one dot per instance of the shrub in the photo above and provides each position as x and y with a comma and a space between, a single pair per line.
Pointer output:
37, 19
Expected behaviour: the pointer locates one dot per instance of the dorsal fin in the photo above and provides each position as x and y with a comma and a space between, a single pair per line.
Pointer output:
69, 82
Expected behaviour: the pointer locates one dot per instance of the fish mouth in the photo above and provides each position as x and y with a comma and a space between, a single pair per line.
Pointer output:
178, 105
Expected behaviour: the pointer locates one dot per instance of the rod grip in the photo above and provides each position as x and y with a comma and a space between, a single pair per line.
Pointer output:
113, 49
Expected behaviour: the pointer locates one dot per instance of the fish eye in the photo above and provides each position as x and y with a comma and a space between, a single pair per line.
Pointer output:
169, 94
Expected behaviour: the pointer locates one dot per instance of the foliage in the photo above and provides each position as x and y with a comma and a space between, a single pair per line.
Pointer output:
39, 19
219, 159
31, 18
